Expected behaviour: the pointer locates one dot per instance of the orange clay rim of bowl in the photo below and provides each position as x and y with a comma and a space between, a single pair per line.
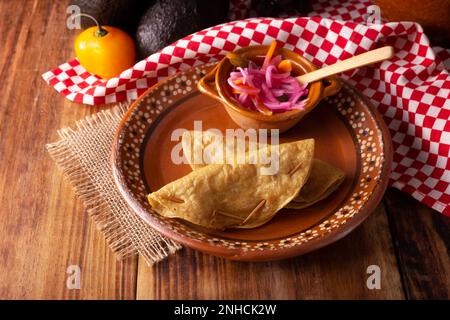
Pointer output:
224, 68
240, 254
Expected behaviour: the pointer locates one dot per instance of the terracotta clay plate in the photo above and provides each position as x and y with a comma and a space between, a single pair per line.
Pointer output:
349, 134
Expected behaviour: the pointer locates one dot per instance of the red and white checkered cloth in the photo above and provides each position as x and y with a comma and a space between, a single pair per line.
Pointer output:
412, 90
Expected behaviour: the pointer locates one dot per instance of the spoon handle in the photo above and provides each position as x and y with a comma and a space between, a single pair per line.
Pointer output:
360, 60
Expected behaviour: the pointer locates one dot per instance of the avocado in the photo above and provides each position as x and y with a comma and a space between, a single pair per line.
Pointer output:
123, 14
169, 20
211, 13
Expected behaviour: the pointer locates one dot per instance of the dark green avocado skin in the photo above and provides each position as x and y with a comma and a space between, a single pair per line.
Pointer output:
123, 14
169, 20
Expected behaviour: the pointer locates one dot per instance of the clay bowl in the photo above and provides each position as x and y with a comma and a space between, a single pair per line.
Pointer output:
349, 134
215, 85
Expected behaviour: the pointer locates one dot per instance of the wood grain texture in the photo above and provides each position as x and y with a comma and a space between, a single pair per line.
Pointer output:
335, 272
43, 227
422, 240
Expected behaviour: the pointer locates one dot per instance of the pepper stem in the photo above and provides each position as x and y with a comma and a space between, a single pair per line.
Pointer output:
100, 32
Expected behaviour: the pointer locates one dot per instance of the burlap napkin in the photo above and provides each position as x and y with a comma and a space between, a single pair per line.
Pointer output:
83, 154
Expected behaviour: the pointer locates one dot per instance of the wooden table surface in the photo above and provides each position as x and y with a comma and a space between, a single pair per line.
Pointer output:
44, 229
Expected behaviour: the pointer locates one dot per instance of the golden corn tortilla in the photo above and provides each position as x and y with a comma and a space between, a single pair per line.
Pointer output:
220, 196
323, 180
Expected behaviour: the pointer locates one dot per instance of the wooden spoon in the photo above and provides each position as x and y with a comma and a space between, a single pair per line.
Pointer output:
360, 60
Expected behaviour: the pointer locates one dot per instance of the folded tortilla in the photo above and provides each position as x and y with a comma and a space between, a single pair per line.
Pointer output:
220, 196
200, 148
